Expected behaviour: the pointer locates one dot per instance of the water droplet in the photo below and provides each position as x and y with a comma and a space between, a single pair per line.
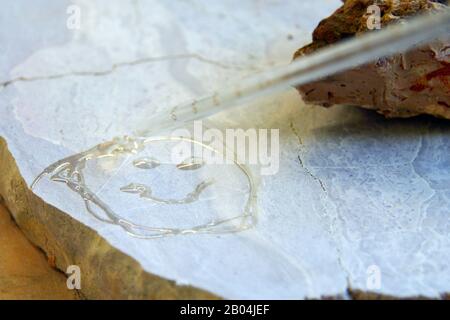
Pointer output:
146, 163
191, 164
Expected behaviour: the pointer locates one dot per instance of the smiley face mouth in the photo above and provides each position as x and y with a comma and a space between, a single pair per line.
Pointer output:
145, 192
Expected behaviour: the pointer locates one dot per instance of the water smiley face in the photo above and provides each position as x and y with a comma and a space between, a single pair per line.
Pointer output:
137, 185
145, 191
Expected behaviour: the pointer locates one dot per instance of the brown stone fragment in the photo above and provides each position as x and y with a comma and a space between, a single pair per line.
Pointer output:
404, 85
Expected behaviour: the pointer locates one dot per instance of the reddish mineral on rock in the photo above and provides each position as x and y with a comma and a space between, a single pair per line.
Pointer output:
404, 85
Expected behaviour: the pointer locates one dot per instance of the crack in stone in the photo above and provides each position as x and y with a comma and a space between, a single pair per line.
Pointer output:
413, 168
119, 65
347, 273
334, 224
300, 141
333, 220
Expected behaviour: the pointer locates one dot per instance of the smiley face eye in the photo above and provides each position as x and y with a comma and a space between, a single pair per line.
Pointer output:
146, 163
191, 164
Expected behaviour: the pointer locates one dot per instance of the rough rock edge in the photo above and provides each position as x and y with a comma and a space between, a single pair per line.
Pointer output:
350, 20
107, 273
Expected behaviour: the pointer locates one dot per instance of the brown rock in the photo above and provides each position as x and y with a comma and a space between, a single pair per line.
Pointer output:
24, 272
403, 85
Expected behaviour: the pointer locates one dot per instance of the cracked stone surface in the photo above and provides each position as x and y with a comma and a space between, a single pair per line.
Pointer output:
355, 193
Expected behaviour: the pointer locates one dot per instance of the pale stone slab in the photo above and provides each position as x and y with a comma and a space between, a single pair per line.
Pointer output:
353, 192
